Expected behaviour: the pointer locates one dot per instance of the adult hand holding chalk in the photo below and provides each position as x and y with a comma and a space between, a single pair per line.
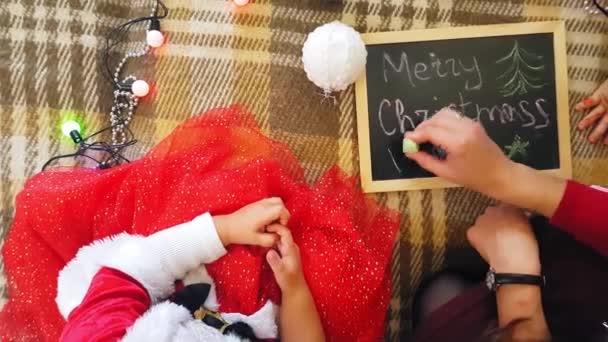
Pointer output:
473, 159
410, 146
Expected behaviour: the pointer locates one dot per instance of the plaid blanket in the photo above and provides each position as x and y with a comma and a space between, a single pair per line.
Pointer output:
217, 56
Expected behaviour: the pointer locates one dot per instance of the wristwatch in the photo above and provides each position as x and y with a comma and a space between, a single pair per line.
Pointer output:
495, 280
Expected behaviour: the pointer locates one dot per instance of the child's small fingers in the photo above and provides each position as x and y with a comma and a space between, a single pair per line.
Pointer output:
267, 239
287, 248
282, 231
271, 213
599, 130
276, 228
587, 103
285, 245
284, 216
592, 117
273, 201
274, 260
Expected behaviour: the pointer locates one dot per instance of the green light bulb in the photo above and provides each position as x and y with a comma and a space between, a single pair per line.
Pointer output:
70, 126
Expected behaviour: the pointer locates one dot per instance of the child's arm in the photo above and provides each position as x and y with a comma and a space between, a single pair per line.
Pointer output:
597, 104
135, 272
299, 319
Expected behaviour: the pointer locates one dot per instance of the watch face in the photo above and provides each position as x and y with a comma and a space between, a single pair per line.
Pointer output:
490, 281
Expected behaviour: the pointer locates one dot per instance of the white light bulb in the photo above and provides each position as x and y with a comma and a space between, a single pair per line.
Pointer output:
70, 126
241, 3
155, 38
140, 88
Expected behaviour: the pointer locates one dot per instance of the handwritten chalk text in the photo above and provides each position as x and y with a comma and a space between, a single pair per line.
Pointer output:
395, 117
418, 72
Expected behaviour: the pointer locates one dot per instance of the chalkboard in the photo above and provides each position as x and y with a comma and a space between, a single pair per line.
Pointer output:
511, 78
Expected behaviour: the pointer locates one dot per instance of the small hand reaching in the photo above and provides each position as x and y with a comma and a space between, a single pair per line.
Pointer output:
298, 311
247, 226
597, 105
286, 266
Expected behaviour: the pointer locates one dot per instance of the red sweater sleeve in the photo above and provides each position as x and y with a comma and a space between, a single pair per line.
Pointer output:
112, 304
583, 212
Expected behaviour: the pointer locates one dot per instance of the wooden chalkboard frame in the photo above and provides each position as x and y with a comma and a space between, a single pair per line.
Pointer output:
561, 81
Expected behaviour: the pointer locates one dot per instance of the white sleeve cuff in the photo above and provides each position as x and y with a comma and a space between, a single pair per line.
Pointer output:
186, 246
169, 254
160, 323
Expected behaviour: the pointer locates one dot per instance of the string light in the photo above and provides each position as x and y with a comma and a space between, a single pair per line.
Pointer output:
140, 88
154, 37
70, 126
594, 7
241, 3
126, 90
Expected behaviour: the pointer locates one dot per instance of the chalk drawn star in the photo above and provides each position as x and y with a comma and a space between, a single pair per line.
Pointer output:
517, 147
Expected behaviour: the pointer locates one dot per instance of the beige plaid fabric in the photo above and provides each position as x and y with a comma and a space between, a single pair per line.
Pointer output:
218, 56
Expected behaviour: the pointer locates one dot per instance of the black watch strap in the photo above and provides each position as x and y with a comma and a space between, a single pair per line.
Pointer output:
515, 278
495, 280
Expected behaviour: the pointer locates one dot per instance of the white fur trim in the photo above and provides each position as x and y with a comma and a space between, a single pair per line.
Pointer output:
155, 261
75, 278
263, 322
169, 322
197, 331
160, 323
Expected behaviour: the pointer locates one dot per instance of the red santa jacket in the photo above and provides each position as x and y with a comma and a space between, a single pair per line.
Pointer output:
115, 288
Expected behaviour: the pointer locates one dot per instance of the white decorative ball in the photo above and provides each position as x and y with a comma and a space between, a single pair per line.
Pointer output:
334, 56
155, 38
140, 88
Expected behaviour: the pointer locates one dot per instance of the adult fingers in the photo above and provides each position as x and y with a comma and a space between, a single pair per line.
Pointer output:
447, 119
504, 205
428, 162
436, 135
450, 118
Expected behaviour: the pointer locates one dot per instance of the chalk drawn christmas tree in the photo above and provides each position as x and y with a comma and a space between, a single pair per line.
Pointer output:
517, 147
523, 74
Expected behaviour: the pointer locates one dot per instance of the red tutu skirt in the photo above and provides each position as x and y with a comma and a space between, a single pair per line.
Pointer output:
217, 162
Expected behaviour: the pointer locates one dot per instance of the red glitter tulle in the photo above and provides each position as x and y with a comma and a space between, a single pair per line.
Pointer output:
217, 163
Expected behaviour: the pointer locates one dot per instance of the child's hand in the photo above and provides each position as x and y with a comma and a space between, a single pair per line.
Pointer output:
247, 226
287, 267
598, 104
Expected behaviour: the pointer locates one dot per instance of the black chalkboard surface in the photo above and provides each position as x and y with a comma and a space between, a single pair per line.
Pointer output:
505, 81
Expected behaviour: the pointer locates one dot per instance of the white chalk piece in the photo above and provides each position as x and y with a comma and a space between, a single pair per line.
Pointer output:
410, 146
